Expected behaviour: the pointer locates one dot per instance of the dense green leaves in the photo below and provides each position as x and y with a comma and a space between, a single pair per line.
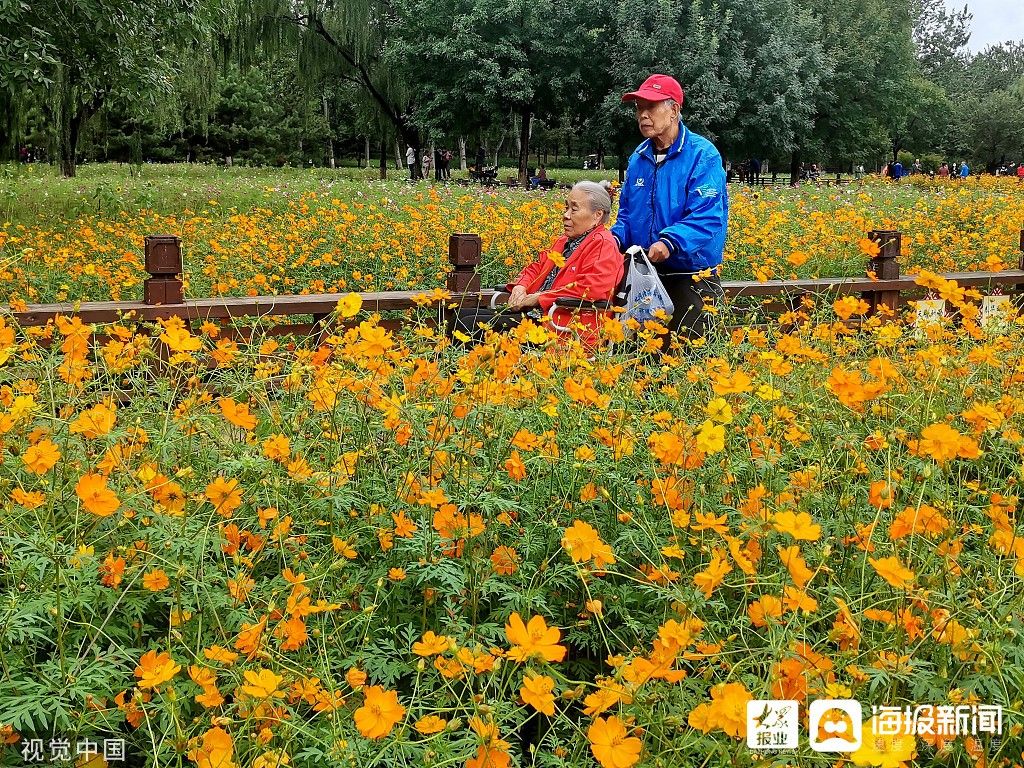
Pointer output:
282, 81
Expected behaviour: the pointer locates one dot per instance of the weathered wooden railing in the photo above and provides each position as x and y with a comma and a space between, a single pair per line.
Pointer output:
163, 295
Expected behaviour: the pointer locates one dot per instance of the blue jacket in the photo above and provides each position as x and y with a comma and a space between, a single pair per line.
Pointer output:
681, 201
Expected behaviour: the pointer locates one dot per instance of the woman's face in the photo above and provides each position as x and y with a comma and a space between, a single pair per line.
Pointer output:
579, 217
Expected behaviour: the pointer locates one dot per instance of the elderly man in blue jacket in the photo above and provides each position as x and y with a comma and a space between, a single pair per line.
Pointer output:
674, 204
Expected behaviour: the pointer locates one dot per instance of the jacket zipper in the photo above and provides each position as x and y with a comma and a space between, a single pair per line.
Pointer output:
654, 181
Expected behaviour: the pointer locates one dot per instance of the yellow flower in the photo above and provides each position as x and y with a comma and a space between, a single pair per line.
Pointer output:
884, 750
537, 691
155, 669
611, 746
534, 638
719, 411
349, 305
430, 724
380, 712
262, 684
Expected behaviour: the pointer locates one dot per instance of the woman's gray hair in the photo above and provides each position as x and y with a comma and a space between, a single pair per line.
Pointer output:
598, 195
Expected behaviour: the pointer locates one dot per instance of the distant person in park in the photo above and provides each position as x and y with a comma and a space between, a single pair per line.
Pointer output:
917, 167
410, 160
965, 171
944, 171
1020, 172
674, 204
755, 170
446, 169
426, 163
591, 268
438, 164
897, 171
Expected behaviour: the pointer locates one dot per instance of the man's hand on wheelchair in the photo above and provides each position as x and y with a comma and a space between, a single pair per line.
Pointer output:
657, 252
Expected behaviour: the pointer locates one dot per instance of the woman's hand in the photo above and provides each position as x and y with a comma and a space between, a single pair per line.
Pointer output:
517, 297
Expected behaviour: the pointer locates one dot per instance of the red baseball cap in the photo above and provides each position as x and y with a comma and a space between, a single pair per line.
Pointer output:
658, 88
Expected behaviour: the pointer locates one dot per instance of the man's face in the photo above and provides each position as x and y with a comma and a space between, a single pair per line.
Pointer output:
655, 117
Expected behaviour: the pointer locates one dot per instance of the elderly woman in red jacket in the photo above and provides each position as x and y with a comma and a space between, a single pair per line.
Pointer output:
584, 263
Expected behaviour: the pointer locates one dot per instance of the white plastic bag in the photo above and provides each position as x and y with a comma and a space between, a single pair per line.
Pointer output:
645, 293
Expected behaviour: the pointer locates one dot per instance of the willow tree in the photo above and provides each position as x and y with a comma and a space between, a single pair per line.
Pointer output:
480, 60
88, 53
341, 41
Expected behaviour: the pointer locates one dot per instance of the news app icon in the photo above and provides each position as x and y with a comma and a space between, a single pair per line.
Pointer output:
835, 725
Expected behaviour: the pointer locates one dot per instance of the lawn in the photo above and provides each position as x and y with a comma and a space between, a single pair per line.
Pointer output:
259, 231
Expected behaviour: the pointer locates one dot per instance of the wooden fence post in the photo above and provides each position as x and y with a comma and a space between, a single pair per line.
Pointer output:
163, 263
464, 255
885, 266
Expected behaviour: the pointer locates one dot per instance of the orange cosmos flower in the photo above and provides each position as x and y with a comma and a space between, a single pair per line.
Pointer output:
880, 494
708, 579
799, 525
505, 560
95, 422
893, 571
224, 495
537, 692
237, 413
155, 581
277, 448
380, 712
40, 458
942, 443
95, 496
726, 710
795, 564
533, 639
217, 750
764, 609
430, 724
356, 678
582, 541
155, 669
220, 655
28, 499
112, 571
431, 645
262, 684
610, 745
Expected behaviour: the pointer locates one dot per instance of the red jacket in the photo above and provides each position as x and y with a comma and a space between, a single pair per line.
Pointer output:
593, 272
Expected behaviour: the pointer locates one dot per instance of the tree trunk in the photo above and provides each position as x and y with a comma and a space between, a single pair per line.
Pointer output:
330, 141
526, 116
68, 122
366, 149
600, 154
462, 152
794, 168
399, 157
383, 156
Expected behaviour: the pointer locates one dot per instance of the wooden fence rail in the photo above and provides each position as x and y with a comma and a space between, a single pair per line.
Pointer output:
163, 294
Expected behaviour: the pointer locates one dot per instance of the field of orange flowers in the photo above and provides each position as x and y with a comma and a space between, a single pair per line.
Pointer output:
383, 550
249, 232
